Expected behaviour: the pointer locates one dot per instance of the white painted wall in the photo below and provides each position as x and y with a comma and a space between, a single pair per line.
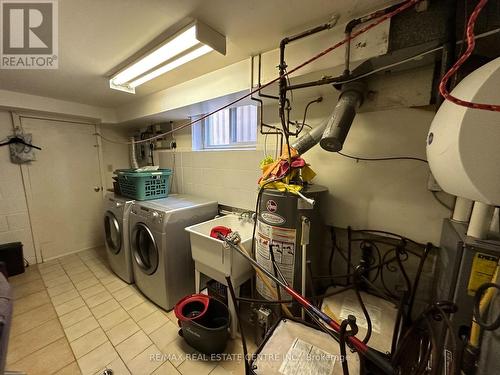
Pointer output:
389, 195
14, 218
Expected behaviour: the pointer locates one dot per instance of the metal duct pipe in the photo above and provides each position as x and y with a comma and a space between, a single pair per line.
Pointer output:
311, 138
133, 158
350, 99
340, 122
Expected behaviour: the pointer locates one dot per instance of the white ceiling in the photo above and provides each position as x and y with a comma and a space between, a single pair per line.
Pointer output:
97, 35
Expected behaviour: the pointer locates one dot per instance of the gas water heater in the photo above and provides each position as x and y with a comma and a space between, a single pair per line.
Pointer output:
279, 234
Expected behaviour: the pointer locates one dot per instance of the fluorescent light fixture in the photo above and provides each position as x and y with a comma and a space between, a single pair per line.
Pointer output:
191, 42
200, 51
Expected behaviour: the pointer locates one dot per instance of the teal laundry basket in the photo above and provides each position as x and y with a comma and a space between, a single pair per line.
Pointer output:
143, 186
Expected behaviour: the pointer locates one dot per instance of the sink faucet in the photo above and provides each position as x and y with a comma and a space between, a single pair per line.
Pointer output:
247, 216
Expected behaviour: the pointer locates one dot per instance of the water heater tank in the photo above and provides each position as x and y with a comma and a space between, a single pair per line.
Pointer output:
463, 144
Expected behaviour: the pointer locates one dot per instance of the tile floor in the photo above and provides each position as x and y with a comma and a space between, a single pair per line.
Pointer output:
74, 316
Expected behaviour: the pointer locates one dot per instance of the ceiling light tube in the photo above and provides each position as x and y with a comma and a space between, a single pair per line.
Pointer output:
172, 65
191, 42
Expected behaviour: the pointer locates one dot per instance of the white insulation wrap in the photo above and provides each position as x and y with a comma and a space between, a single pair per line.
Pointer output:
463, 143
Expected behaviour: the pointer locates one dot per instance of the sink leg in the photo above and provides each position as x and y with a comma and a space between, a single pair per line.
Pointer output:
197, 277
232, 311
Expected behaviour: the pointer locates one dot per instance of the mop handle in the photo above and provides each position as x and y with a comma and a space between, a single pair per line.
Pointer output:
360, 346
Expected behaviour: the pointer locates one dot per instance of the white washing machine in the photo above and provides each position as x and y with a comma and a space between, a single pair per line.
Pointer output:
161, 251
116, 229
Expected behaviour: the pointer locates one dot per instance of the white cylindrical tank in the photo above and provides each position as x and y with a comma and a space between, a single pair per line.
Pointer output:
463, 144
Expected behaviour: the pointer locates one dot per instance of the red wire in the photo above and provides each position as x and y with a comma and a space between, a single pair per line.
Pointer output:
471, 43
353, 35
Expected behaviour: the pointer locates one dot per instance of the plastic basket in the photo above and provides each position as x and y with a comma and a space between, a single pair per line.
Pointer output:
144, 186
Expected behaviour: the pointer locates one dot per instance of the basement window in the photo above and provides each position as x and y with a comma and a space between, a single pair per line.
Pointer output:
232, 128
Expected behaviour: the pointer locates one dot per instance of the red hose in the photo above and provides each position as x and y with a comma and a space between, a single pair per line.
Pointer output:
471, 43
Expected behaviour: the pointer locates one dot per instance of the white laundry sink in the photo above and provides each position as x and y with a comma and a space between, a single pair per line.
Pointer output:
214, 259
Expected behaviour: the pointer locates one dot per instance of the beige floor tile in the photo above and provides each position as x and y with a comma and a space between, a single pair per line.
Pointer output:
141, 311
153, 322
198, 367
75, 269
60, 289
105, 308
47, 360
134, 345
31, 319
81, 328
97, 359
71, 369
47, 278
88, 342
117, 366
101, 272
132, 301
55, 270
30, 274
64, 297
166, 369
27, 343
48, 266
30, 302
172, 317
81, 276
74, 316
67, 259
125, 292
177, 351
116, 285
219, 370
142, 364
25, 289
57, 281
87, 254
91, 281
122, 331
112, 319
66, 307
98, 298
164, 335
109, 279
92, 291
236, 365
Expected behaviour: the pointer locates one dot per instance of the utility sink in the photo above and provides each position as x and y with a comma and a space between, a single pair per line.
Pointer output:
214, 259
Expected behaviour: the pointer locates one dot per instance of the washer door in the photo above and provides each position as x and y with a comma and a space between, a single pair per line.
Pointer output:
113, 232
144, 248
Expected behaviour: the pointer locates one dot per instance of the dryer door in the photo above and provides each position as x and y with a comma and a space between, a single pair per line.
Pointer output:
144, 249
113, 232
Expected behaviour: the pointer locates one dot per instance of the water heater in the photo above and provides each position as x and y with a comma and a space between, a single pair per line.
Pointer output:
279, 224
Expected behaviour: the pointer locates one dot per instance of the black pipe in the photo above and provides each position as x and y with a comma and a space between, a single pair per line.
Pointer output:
240, 325
274, 130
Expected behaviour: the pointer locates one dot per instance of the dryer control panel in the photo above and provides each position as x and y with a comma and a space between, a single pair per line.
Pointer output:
149, 214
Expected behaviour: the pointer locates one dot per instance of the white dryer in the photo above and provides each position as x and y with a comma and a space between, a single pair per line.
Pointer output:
161, 251
116, 229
